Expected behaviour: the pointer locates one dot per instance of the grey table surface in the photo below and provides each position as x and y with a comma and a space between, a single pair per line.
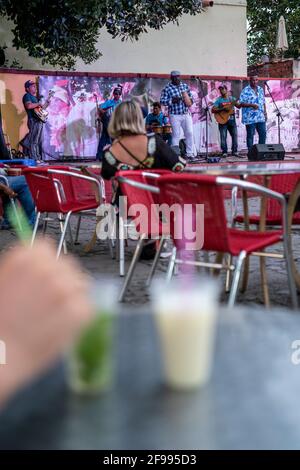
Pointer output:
251, 402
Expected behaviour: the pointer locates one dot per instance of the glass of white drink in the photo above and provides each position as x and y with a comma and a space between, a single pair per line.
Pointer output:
185, 316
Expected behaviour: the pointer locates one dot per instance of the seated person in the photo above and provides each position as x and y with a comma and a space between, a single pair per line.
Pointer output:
157, 118
18, 189
132, 148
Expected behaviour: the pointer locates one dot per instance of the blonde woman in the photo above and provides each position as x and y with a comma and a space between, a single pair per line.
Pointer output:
132, 148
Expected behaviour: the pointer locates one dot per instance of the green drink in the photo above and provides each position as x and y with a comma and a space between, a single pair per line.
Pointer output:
91, 359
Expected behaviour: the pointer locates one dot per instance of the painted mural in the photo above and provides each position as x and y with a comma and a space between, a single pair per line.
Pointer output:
71, 129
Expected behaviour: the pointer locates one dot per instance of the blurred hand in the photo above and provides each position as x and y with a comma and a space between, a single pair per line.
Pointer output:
255, 106
41, 311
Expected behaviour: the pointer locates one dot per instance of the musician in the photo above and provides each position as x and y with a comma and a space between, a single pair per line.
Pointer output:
105, 111
157, 118
226, 102
176, 95
33, 140
254, 113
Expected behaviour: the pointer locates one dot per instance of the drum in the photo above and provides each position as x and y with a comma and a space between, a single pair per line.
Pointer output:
167, 129
186, 99
157, 129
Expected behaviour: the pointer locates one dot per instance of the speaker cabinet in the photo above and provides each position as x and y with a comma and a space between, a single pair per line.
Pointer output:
264, 152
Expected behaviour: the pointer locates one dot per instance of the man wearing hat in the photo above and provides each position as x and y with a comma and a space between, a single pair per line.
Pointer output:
105, 111
225, 104
178, 97
33, 140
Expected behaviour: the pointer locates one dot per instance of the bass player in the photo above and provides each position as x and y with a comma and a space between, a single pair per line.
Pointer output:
105, 111
32, 142
223, 110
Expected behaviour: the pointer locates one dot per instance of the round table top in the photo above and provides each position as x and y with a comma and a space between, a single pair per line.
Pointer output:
251, 402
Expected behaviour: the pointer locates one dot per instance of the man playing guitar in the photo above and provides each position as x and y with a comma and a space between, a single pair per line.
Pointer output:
105, 111
33, 140
223, 110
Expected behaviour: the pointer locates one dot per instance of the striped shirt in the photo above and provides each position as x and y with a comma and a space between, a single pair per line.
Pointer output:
171, 91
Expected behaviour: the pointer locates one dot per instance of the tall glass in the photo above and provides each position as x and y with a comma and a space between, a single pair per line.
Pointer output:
185, 316
91, 360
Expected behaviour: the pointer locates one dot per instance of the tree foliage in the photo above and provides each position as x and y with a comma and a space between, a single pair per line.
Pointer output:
263, 18
59, 32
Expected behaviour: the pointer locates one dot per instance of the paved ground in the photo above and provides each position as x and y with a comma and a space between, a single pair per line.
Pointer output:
98, 263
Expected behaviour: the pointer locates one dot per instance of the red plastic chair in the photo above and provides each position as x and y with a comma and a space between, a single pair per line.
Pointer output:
147, 222
185, 189
149, 177
283, 184
64, 193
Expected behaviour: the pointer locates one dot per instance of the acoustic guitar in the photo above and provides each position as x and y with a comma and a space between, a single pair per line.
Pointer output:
222, 116
40, 111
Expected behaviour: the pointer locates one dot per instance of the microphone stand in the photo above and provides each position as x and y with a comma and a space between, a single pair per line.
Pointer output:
278, 113
207, 115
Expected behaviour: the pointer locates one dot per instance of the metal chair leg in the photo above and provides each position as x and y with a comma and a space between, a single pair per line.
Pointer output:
171, 264
290, 276
245, 275
228, 274
155, 261
77, 229
111, 248
236, 279
113, 238
45, 223
264, 282
121, 246
61, 225
70, 235
38, 215
62, 238
132, 267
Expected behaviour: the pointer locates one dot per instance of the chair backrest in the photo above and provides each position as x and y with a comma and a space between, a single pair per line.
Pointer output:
56, 190
137, 197
187, 191
148, 174
107, 190
283, 184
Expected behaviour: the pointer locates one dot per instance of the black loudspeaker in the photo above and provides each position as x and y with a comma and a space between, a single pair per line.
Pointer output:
264, 152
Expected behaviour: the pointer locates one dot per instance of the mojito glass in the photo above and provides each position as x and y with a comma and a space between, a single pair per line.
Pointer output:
91, 360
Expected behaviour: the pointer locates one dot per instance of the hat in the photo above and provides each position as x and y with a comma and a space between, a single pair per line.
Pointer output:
175, 73
117, 89
28, 83
223, 85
